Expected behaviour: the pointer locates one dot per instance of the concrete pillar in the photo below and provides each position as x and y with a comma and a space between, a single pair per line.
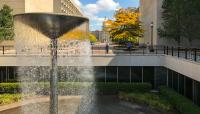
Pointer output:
167, 78
117, 74
130, 75
6, 75
178, 82
193, 91
105, 75
184, 86
142, 74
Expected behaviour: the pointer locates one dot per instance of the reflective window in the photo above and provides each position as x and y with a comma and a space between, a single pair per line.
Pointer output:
99, 73
124, 74
136, 74
111, 74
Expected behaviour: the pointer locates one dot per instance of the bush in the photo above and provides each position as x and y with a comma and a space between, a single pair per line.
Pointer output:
9, 87
181, 103
125, 87
43, 87
151, 99
9, 98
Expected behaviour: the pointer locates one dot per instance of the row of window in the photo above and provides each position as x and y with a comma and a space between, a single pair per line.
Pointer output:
155, 75
68, 7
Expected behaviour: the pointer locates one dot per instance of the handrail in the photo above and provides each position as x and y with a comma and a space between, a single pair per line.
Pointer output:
180, 52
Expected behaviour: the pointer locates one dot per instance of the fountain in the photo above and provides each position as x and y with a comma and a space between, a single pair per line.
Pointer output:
51, 26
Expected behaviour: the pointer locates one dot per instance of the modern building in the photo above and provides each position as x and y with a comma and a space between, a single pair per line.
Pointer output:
151, 17
98, 34
105, 31
51, 6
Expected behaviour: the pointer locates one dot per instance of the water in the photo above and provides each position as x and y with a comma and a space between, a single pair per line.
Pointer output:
74, 82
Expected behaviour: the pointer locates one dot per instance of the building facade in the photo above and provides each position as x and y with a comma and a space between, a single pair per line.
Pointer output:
151, 18
98, 34
48, 6
105, 31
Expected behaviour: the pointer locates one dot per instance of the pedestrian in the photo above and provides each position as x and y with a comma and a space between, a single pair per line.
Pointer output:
107, 48
129, 45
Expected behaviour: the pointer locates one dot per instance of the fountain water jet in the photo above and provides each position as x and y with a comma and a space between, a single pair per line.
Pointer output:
52, 26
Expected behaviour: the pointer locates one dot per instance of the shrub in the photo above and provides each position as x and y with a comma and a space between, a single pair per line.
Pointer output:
9, 87
152, 100
181, 103
43, 87
125, 87
9, 98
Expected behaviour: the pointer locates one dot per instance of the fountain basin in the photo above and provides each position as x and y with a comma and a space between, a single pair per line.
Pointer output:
51, 23
67, 104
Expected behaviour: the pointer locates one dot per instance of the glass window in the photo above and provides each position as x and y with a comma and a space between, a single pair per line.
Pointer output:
161, 76
197, 93
170, 80
188, 87
175, 81
136, 74
111, 74
99, 74
149, 75
124, 74
181, 84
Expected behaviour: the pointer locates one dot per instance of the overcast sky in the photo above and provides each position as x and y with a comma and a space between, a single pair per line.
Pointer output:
97, 10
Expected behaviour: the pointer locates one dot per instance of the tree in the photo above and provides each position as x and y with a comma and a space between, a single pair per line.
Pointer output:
126, 27
6, 23
92, 38
180, 20
172, 15
191, 25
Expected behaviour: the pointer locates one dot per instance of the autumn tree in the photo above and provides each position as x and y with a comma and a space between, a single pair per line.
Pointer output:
126, 27
6, 23
92, 38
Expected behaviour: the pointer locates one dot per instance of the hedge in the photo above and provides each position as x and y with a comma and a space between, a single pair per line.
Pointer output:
68, 86
181, 103
125, 87
10, 87
9, 98
153, 100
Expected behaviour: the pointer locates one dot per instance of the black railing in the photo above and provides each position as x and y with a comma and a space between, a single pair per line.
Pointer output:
180, 52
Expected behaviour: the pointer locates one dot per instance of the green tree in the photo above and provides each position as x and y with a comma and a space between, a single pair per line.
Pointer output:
172, 16
191, 25
6, 23
180, 20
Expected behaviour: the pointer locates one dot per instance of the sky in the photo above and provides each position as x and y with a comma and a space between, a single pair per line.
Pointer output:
98, 10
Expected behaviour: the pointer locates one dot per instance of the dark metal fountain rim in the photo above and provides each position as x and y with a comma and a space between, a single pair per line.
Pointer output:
52, 25
51, 14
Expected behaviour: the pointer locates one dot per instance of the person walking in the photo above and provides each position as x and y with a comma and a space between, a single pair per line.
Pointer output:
107, 48
129, 45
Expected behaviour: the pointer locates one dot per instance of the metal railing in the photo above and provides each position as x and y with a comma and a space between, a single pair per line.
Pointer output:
192, 54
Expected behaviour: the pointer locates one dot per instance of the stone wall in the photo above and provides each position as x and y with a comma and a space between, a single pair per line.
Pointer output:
17, 5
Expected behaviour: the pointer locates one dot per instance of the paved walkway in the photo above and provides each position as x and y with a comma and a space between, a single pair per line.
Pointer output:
112, 105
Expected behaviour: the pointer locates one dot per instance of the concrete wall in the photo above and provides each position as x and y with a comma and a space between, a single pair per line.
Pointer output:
17, 5
38, 6
148, 10
182, 66
80, 61
56, 6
